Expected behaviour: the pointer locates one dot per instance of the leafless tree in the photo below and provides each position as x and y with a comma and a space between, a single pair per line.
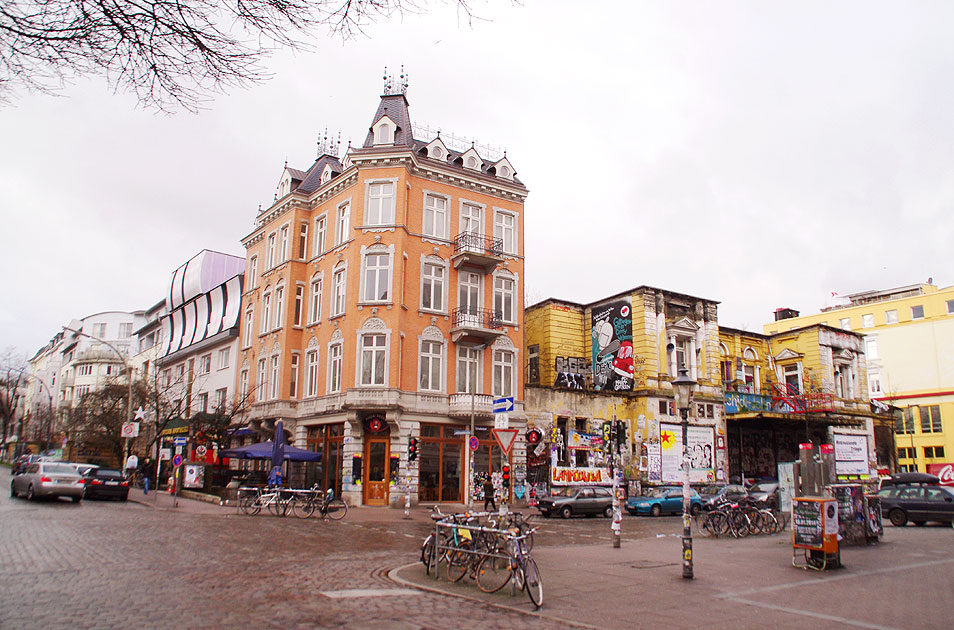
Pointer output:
96, 420
169, 53
13, 375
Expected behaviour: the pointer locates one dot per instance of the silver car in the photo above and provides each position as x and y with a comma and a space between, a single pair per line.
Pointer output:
48, 479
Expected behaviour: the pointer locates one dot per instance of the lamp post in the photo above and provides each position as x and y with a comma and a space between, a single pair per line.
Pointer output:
129, 375
471, 453
683, 388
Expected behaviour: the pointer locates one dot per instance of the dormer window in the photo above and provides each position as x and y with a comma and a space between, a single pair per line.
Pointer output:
326, 174
384, 131
471, 162
436, 150
504, 171
437, 153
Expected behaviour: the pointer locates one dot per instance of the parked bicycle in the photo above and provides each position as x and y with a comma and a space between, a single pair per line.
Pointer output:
253, 500
314, 501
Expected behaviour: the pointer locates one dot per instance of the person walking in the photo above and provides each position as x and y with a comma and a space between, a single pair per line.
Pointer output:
489, 494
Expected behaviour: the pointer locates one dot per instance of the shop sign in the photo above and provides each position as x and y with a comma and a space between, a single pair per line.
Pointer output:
945, 473
566, 476
851, 455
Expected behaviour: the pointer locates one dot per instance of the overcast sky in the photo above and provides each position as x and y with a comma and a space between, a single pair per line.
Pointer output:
762, 154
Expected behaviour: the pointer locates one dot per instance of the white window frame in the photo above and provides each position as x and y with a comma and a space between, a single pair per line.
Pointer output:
469, 357
283, 243
274, 373
202, 403
249, 325
311, 371
506, 233
205, 363
243, 385
429, 358
279, 307
335, 367
844, 323
261, 379
914, 316
867, 320
381, 202
871, 348
342, 222
371, 276
503, 372
314, 303
463, 280
266, 311
431, 281
221, 396
891, 317
377, 354
501, 295
321, 233
435, 217
270, 250
339, 290
466, 221
303, 240
299, 311
293, 374
224, 357
252, 272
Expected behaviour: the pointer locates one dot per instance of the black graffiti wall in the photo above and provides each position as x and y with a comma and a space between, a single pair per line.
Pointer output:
613, 346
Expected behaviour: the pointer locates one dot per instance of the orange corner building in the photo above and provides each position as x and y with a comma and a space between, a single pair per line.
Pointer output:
384, 303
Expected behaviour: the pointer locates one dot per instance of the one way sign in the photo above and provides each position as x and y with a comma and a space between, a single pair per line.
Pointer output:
503, 405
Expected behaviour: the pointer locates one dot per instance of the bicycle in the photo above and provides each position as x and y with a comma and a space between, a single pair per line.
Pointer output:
253, 503
314, 501
495, 571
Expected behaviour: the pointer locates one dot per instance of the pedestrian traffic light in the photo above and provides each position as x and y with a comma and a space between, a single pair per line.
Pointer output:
506, 476
412, 449
607, 436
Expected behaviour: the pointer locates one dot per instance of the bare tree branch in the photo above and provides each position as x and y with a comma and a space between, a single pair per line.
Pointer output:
169, 53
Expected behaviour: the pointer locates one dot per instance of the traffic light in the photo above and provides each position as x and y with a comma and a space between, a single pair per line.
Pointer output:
621, 434
412, 449
506, 476
607, 436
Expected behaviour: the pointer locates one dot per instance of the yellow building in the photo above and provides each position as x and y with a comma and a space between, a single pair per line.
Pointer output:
909, 339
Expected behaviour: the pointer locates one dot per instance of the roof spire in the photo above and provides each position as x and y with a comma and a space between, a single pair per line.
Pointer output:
390, 89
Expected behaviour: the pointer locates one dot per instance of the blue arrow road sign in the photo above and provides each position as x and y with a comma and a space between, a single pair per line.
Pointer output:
503, 405
180, 441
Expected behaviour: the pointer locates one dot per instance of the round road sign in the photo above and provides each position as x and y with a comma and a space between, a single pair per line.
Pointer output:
473, 442
177, 460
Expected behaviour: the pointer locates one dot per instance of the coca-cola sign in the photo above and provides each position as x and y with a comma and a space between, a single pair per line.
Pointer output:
945, 473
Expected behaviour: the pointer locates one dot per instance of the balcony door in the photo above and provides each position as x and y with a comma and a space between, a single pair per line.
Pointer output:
468, 298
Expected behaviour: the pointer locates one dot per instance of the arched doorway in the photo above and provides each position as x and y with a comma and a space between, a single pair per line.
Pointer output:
377, 458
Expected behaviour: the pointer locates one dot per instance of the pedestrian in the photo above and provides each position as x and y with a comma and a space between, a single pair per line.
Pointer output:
489, 494
146, 473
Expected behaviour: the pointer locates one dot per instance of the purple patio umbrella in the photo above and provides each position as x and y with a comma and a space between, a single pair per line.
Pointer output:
278, 445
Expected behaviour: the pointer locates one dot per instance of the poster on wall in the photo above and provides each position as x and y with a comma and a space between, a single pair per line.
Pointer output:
701, 440
613, 346
653, 462
851, 455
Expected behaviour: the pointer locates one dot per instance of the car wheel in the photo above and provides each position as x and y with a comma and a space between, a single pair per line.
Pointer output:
632, 512
919, 523
898, 518
656, 510
566, 512
608, 512
30, 495
546, 514
13, 492
76, 499
695, 509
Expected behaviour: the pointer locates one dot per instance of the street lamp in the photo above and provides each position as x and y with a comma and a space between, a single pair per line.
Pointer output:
683, 388
126, 364
471, 452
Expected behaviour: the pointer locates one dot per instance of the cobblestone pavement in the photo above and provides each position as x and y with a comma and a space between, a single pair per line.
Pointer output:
126, 565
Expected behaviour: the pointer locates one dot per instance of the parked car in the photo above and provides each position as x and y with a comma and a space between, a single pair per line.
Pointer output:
22, 462
83, 469
577, 500
716, 493
48, 479
917, 503
663, 500
765, 491
105, 483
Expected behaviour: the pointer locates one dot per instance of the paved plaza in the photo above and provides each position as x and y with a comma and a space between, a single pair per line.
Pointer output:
147, 564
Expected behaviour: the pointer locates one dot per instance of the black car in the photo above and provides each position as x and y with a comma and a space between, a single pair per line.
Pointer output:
917, 503
103, 483
716, 493
577, 500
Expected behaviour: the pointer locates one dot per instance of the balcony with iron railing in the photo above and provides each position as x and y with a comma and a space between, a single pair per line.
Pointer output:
481, 324
479, 250
785, 399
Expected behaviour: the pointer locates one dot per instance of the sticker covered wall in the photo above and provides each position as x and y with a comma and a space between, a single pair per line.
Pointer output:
613, 365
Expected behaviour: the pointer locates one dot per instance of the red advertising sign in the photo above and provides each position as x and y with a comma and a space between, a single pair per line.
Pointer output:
945, 473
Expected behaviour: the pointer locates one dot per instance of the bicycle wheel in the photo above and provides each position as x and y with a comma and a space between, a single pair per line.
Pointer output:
493, 573
336, 509
249, 505
533, 582
717, 524
458, 562
740, 524
303, 508
274, 505
769, 523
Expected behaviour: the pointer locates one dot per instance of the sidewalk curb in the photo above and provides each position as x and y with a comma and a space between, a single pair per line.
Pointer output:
392, 575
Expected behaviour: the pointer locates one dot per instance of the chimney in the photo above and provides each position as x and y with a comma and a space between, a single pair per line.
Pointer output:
785, 313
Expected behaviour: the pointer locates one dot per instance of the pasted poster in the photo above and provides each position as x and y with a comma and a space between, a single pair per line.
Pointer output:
807, 524
653, 462
851, 455
701, 441
613, 346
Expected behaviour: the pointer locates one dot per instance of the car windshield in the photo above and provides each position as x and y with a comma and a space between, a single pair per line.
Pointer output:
59, 469
107, 474
711, 490
655, 493
569, 491
764, 487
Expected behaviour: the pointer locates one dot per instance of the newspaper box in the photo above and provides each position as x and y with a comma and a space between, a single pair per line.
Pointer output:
815, 533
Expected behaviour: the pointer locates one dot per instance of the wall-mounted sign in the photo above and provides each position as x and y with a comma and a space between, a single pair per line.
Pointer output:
566, 476
851, 455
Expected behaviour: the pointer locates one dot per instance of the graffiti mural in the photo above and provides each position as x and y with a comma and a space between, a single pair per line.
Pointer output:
613, 366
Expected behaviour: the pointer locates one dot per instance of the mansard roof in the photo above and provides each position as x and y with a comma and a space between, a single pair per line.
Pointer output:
312, 179
394, 106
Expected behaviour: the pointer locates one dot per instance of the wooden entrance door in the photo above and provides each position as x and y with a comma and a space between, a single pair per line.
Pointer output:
377, 457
